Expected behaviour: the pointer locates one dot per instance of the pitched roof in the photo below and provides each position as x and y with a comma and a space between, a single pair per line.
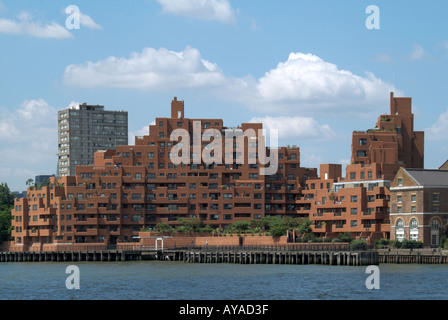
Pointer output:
444, 166
428, 177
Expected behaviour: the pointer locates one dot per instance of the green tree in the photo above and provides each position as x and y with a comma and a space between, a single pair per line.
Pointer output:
278, 231
240, 226
6, 205
163, 227
304, 226
190, 225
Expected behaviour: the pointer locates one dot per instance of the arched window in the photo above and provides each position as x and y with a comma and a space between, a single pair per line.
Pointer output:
434, 225
413, 229
399, 230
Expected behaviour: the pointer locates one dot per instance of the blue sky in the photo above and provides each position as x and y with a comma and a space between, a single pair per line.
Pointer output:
311, 69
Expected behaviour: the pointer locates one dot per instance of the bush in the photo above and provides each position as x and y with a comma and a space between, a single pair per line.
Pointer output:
278, 231
381, 243
358, 244
344, 237
408, 244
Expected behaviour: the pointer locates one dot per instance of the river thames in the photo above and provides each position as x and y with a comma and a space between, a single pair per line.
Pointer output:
148, 280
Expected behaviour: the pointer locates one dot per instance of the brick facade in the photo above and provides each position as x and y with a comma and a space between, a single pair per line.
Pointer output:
139, 186
419, 206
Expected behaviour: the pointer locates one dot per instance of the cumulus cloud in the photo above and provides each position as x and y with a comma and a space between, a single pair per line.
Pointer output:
144, 131
439, 130
25, 25
296, 127
86, 21
28, 140
306, 80
218, 10
303, 83
149, 70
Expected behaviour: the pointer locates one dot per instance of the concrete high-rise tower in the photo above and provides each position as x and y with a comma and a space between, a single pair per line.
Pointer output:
85, 129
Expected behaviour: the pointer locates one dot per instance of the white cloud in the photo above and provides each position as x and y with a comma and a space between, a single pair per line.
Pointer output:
296, 127
26, 26
306, 80
144, 131
28, 140
439, 130
218, 10
418, 53
149, 70
88, 22
304, 83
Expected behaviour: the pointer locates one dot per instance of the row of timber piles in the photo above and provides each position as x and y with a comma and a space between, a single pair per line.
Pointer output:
282, 257
413, 258
70, 256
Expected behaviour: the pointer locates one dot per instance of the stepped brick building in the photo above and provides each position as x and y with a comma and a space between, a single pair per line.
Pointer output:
140, 186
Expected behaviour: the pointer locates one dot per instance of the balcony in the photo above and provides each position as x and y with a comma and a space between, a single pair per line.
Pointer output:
86, 232
86, 221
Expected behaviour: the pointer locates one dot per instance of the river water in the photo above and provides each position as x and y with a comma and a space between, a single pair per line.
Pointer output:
151, 280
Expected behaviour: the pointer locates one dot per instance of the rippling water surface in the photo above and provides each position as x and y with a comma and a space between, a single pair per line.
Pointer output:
146, 280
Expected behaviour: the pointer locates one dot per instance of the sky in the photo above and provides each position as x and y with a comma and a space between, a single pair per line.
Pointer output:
314, 70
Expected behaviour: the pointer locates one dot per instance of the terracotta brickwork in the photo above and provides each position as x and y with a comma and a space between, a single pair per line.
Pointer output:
140, 186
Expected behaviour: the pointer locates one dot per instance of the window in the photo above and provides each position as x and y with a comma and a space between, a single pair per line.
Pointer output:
435, 197
361, 153
362, 142
354, 211
413, 209
414, 224
352, 175
354, 199
400, 182
399, 230
399, 199
354, 223
253, 175
414, 198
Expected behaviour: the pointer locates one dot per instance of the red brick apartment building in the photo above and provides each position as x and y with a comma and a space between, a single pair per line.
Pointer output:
139, 186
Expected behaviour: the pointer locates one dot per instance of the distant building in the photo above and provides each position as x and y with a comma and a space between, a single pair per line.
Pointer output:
85, 129
42, 180
19, 195
419, 205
